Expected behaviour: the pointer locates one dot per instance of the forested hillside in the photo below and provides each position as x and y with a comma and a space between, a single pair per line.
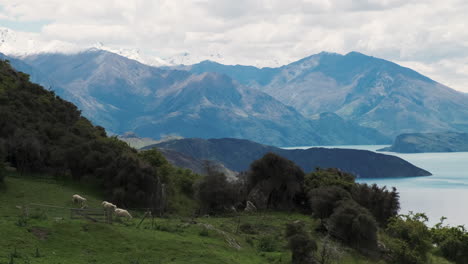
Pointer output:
42, 133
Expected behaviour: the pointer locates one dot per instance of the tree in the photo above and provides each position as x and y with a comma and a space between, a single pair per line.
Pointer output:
451, 241
215, 193
324, 200
354, 225
411, 238
382, 203
328, 177
275, 182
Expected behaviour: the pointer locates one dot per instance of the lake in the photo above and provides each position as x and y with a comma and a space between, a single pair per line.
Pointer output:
443, 194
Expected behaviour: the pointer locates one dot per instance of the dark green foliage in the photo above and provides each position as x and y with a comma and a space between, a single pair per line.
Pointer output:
268, 244
327, 186
354, 225
45, 133
247, 228
300, 243
3, 154
382, 203
328, 177
412, 239
279, 180
323, 200
451, 241
215, 193
179, 183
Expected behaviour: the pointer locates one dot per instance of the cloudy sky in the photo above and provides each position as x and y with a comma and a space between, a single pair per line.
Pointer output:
430, 36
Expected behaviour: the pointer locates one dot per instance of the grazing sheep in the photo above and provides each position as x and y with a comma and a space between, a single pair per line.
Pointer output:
122, 213
77, 199
109, 206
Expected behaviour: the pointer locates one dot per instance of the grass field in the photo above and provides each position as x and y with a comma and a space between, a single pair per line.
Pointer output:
50, 236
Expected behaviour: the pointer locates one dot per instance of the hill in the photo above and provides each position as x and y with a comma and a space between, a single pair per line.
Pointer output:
42, 133
59, 239
429, 142
238, 154
372, 92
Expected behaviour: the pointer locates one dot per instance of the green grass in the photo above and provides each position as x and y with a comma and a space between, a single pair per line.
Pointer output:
59, 239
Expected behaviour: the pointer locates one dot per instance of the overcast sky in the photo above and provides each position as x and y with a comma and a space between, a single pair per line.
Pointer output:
429, 36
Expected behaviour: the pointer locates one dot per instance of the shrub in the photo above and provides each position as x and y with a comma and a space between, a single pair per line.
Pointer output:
301, 245
451, 241
323, 200
247, 228
382, 203
267, 244
411, 241
277, 180
354, 225
328, 177
215, 193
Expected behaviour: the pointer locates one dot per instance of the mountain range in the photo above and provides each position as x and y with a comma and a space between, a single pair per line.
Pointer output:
124, 95
372, 92
323, 99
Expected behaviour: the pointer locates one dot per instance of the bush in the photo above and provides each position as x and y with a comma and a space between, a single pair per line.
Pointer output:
267, 244
215, 193
328, 177
301, 245
247, 229
411, 241
354, 225
451, 241
277, 183
382, 203
323, 200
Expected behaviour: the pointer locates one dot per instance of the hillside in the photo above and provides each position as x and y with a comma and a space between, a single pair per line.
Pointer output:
429, 142
372, 92
42, 133
238, 154
59, 239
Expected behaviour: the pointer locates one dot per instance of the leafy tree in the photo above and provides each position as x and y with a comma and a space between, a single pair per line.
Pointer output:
324, 200
452, 242
215, 193
382, 203
411, 241
328, 177
354, 225
278, 180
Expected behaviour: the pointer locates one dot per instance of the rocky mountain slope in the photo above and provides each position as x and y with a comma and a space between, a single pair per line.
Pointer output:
238, 154
123, 95
373, 92
429, 142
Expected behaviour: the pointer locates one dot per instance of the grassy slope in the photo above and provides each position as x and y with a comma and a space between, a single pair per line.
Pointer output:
173, 240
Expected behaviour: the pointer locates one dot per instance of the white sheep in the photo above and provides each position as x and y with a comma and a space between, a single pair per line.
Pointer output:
109, 206
77, 199
122, 213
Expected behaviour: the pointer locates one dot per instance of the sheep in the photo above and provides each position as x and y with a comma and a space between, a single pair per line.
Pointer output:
77, 199
123, 213
109, 206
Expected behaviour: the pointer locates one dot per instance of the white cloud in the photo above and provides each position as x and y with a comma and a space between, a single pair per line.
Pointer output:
430, 35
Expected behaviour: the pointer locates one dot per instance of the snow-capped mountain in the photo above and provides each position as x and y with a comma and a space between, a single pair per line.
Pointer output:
20, 44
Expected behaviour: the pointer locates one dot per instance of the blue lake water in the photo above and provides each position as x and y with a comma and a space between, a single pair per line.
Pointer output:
443, 194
